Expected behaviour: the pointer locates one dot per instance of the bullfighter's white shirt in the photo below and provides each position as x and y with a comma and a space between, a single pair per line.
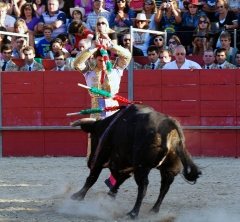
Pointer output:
186, 65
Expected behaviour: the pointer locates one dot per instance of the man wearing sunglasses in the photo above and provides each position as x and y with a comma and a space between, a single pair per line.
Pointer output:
158, 40
181, 62
7, 63
59, 58
126, 44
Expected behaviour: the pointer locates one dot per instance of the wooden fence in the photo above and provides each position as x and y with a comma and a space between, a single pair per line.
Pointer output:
34, 107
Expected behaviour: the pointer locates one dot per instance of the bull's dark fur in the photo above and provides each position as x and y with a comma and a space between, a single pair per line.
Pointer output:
138, 141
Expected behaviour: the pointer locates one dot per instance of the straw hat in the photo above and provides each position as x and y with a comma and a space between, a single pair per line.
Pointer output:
192, 2
77, 8
142, 17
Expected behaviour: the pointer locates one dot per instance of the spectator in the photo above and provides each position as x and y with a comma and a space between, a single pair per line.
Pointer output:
136, 5
169, 16
142, 39
181, 62
39, 7
209, 8
6, 20
7, 63
59, 58
173, 42
225, 17
190, 21
15, 8
29, 16
165, 56
87, 5
200, 44
44, 44
153, 56
103, 31
53, 17
237, 59
150, 9
77, 14
30, 64
209, 58
56, 45
225, 41
21, 28
79, 31
64, 38
204, 25
221, 57
126, 44
20, 45
120, 18
234, 6
97, 12
159, 41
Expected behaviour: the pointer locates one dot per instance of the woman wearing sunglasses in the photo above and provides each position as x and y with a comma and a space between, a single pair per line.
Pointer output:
169, 16
204, 25
121, 16
173, 42
200, 44
225, 17
103, 31
150, 9
190, 21
142, 39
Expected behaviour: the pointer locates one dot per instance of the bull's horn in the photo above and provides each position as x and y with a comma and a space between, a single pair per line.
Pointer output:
79, 122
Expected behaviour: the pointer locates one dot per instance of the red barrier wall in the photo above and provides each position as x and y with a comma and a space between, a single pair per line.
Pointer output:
198, 98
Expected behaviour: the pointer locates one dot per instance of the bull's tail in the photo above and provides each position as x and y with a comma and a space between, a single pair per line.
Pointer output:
190, 170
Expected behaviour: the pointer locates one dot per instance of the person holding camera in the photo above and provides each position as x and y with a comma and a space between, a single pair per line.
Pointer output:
169, 16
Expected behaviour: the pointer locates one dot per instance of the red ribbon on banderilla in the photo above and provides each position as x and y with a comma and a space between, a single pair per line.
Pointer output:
104, 94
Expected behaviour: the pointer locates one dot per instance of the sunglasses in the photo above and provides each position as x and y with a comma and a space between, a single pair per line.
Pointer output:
125, 40
192, 7
173, 42
202, 22
148, 3
158, 39
221, 6
118, 1
101, 23
180, 53
60, 59
140, 22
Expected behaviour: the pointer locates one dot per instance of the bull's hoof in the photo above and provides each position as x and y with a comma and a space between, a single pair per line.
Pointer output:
77, 196
131, 215
154, 210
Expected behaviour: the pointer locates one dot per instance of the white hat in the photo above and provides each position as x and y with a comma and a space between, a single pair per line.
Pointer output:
76, 8
142, 17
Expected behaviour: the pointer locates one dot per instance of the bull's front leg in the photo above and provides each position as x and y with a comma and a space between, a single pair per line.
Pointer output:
91, 179
141, 178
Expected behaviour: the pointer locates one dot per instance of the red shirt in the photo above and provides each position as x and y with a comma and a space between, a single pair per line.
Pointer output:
80, 37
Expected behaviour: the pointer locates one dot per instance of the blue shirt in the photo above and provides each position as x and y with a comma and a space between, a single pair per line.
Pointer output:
43, 47
188, 20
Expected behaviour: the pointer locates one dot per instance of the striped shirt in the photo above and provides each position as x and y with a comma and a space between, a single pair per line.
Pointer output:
46, 18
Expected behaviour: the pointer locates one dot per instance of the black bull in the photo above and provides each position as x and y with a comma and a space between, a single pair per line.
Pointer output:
133, 141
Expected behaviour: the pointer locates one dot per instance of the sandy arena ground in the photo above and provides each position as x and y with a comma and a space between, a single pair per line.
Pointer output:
39, 189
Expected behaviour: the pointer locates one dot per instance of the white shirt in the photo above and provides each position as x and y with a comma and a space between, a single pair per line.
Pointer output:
185, 65
155, 64
222, 65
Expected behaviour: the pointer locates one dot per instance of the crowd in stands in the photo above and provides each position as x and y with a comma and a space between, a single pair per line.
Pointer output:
61, 29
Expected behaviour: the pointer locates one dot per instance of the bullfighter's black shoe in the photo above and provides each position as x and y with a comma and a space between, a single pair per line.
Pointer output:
108, 183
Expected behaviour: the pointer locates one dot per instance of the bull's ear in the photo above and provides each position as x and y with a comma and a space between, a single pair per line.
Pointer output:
86, 124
